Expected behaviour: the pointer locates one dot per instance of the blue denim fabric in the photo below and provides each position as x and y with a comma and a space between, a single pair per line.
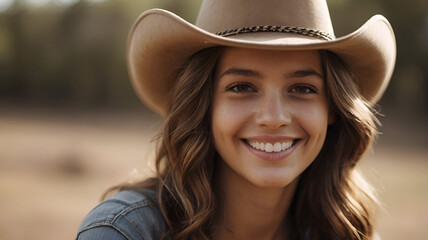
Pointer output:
127, 215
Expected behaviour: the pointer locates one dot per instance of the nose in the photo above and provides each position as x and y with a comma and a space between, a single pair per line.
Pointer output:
272, 112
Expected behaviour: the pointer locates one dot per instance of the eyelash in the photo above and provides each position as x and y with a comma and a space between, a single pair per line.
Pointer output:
234, 88
303, 89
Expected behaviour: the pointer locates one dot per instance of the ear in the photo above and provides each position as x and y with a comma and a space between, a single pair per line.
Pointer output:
332, 117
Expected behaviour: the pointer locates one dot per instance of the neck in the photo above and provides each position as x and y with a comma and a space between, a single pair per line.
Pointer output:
252, 212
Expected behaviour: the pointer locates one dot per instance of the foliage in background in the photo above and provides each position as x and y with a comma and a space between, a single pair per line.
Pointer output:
75, 56
408, 91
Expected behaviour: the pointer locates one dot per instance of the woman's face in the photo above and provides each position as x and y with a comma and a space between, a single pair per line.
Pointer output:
270, 114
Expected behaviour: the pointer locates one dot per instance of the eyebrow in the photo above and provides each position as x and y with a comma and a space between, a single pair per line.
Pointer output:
253, 73
305, 73
242, 72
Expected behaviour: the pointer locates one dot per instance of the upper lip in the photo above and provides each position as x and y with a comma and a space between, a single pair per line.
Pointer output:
271, 138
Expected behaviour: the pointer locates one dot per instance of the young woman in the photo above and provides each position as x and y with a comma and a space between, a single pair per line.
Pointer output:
266, 115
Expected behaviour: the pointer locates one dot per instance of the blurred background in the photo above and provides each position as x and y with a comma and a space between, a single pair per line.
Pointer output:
71, 125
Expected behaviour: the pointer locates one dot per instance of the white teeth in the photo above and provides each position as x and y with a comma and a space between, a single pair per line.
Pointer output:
277, 147
271, 147
268, 147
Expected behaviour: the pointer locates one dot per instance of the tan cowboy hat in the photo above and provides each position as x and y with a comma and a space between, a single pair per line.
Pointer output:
160, 42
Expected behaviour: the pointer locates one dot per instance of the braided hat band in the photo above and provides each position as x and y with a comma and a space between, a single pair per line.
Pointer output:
283, 29
160, 38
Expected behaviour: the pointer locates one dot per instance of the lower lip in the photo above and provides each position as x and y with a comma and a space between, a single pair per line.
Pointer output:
272, 156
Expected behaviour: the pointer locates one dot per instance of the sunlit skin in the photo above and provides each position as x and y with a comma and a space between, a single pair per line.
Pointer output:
266, 97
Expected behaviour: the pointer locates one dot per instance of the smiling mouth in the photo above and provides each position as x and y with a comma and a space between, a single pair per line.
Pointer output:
271, 147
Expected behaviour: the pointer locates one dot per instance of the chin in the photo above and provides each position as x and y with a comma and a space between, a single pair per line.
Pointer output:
273, 182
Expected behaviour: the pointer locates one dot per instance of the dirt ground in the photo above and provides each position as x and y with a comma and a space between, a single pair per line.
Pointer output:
55, 165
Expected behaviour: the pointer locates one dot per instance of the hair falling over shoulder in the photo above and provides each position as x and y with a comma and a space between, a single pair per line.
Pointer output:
332, 200
185, 160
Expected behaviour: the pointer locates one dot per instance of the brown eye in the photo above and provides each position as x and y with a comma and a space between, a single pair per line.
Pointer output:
241, 88
303, 89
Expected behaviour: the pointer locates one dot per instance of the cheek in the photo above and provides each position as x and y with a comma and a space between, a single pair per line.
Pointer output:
228, 115
314, 120
228, 118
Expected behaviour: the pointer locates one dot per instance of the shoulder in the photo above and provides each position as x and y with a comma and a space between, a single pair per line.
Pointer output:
128, 214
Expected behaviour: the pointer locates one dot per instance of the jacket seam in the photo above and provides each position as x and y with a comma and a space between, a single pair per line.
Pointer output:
126, 210
104, 224
111, 221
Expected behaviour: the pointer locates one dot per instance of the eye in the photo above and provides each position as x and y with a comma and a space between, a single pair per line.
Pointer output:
303, 89
241, 88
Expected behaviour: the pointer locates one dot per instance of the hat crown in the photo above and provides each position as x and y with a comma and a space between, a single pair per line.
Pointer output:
221, 15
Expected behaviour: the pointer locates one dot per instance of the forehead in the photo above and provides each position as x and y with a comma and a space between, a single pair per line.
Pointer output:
266, 59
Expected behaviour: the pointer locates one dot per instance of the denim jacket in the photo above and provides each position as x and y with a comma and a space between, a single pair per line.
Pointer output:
127, 215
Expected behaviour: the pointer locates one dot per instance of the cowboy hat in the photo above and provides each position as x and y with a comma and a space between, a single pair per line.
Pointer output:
160, 42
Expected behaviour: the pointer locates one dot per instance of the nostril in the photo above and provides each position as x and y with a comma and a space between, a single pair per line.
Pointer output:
273, 111
274, 119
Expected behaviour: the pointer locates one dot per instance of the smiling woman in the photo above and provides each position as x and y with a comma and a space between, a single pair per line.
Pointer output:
269, 98
265, 119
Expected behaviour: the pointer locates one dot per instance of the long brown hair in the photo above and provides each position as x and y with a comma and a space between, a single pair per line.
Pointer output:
331, 202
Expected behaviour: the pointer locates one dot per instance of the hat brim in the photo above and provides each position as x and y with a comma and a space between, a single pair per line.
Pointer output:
160, 42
